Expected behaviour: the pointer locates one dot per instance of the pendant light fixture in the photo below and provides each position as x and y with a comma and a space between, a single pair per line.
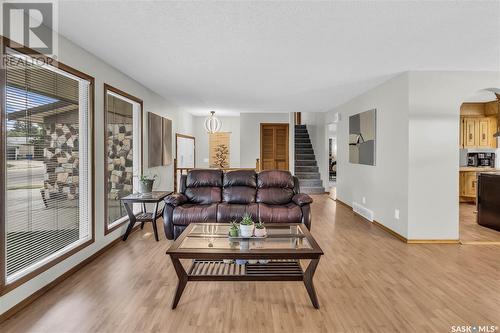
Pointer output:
212, 123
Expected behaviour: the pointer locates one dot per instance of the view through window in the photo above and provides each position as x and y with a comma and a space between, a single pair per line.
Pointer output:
123, 151
47, 164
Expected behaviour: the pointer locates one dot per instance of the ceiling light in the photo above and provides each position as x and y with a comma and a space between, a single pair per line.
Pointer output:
212, 123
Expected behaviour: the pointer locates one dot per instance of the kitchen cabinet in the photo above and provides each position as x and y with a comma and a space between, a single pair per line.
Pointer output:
478, 132
468, 185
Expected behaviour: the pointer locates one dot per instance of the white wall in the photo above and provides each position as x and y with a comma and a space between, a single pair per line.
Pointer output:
417, 157
435, 99
81, 60
250, 135
385, 185
229, 124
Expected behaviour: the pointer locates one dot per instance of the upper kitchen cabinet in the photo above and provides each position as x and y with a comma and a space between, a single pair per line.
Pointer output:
478, 123
491, 108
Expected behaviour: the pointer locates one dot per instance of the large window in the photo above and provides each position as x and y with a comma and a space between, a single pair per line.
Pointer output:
123, 160
45, 159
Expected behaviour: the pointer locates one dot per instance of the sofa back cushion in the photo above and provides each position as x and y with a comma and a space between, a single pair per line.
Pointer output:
239, 186
204, 186
275, 187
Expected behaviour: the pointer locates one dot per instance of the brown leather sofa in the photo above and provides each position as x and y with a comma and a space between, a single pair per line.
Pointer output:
215, 196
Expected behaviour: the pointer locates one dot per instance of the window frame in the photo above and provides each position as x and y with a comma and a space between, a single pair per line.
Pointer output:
110, 88
4, 286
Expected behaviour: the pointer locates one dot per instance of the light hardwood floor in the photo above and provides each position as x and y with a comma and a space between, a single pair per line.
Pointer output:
367, 281
470, 231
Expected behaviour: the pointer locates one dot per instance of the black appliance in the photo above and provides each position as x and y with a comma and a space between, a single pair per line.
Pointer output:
488, 200
481, 160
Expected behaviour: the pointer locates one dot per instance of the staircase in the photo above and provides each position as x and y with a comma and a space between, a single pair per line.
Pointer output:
306, 167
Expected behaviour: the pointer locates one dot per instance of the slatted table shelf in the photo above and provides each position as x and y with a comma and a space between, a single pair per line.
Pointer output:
282, 270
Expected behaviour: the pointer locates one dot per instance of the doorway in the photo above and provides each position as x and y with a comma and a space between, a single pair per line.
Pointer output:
479, 152
274, 146
332, 159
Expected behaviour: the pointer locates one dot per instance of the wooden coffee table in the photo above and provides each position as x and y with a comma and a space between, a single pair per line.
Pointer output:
210, 248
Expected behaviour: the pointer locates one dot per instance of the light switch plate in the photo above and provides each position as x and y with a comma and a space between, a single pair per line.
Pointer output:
396, 214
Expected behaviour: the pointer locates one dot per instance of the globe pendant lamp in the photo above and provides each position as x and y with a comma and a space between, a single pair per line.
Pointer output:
212, 123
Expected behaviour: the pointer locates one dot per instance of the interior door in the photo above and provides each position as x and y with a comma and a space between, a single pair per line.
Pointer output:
274, 146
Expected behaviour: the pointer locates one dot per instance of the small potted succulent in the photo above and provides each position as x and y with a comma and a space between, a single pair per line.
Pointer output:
146, 183
260, 229
233, 229
246, 226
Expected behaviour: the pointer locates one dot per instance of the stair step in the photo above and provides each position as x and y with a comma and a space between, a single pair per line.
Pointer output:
303, 144
301, 131
305, 163
304, 152
301, 136
302, 140
308, 175
312, 190
300, 126
305, 157
310, 183
306, 169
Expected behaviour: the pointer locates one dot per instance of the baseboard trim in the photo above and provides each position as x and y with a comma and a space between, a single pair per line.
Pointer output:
343, 203
479, 243
433, 241
37, 294
391, 232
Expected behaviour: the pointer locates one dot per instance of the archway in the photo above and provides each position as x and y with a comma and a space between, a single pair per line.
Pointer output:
479, 150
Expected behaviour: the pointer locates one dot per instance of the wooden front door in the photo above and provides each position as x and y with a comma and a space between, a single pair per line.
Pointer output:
274, 146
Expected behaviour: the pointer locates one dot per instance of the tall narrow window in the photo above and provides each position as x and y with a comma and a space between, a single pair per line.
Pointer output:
47, 138
123, 161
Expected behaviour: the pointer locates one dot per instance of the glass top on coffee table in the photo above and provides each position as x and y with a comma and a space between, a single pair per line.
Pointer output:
214, 237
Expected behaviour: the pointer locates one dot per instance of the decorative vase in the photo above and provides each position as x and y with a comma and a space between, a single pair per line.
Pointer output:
146, 186
260, 232
246, 230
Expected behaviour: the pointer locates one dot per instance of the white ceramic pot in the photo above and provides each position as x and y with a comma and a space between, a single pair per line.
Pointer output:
260, 232
252, 261
263, 261
246, 230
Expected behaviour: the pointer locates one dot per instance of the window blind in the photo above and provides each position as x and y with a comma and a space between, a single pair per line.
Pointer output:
47, 162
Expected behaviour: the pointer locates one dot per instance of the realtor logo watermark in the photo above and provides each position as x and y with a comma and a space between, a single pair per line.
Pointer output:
474, 329
31, 26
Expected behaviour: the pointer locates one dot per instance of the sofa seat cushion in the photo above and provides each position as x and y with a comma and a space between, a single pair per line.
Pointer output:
192, 213
228, 212
289, 213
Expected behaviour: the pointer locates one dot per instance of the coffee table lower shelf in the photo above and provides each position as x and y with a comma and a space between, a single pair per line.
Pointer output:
218, 270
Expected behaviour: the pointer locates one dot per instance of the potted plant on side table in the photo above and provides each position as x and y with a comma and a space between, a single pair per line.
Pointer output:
146, 183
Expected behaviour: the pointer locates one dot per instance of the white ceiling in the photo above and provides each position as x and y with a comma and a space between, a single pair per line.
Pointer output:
281, 56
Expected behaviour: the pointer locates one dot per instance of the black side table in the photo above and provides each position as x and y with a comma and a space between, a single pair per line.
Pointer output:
143, 198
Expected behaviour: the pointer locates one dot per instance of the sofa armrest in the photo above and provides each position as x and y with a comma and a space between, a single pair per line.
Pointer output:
175, 199
302, 199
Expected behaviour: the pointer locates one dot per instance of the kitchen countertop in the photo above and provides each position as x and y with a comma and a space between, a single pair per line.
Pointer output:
478, 169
